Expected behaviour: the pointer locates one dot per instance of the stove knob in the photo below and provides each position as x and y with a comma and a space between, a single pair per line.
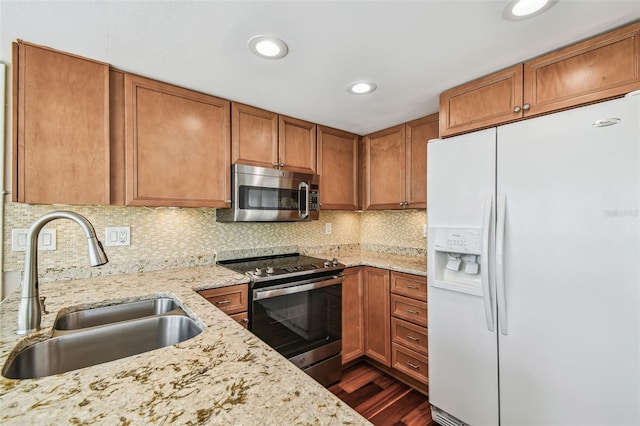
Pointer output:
258, 272
334, 261
327, 263
269, 269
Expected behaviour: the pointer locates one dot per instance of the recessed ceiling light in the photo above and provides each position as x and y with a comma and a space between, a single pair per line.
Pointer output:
516, 10
268, 47
361, 87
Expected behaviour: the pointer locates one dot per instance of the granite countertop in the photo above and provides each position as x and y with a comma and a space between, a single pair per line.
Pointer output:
225, 375
408, 264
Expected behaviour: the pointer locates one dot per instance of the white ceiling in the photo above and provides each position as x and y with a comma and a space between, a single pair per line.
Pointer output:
413, 50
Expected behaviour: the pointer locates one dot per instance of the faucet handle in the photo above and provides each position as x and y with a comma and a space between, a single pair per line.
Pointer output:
43, 308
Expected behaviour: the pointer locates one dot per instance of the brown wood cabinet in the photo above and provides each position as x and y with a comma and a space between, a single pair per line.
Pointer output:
395, 161
254, 136
377, 319
338, 169
177, 146
409, 325
233, 300
266, 139
352, 315
61, 145
418, 133
297, 145
600, 68
485, 102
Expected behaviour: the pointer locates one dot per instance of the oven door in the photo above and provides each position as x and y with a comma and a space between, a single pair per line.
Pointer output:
300, 319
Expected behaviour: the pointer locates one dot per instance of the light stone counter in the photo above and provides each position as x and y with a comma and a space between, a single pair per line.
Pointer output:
224, 376
410, 264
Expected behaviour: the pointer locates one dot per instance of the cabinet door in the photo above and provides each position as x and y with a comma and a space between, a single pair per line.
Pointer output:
254, 136
352, 315
377, 317
177, 144
297, 145
490, 100
593, 70
418, 133
338, 169
385, 169
61, 121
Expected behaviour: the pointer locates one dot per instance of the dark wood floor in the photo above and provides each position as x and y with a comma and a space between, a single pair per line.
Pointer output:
381, 399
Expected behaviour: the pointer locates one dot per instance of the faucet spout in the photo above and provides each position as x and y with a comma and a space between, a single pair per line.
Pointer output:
29, 315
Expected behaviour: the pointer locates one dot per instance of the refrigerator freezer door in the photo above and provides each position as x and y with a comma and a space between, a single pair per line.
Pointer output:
572, 268
463, 375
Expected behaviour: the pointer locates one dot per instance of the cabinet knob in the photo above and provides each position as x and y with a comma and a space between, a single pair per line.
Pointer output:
276, 165
245, 320
228, 201
516, 109
281, 164
526, 107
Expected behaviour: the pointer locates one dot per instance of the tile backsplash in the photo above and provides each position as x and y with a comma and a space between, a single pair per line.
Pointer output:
164, 238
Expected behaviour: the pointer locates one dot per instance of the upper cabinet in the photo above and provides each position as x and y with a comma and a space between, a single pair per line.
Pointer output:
297, 145
395, 161
254, 136
338, 169
600, 68
418, 133
265, 139
177, 146
61, 146
490, 100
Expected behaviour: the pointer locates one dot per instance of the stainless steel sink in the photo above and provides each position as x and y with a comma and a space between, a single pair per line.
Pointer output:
116, 313
101, 344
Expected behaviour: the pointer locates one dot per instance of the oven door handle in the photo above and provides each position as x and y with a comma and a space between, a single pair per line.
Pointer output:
312, 285
304, 185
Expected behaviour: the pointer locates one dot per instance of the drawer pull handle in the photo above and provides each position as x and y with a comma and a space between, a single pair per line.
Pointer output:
411, 311
412, 287
223, 302
410, 337
412, 365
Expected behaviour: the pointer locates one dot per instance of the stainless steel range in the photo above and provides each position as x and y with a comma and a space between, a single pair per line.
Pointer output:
296, 308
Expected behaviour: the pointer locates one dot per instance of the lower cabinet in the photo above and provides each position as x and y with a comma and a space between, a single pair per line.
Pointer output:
384, 318
232, 300
352, 315
377, 335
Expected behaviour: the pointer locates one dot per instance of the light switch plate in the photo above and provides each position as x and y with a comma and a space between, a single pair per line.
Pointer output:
327, 228
46, 240
117, 236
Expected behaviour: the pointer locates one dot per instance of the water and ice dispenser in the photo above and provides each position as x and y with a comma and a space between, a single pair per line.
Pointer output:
458, 259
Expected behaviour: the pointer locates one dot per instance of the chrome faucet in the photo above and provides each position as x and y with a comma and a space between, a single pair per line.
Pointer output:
29, 315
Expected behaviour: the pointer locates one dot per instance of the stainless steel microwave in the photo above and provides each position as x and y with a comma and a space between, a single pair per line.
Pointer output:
260, 194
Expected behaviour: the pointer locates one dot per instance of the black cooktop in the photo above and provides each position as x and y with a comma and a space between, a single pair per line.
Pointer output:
281, 266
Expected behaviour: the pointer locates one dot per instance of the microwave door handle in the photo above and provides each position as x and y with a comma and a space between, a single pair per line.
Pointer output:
304, 185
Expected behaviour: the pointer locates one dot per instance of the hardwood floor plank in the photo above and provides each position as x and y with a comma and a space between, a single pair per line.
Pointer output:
398, 413
419, 416
382, 399
356, 377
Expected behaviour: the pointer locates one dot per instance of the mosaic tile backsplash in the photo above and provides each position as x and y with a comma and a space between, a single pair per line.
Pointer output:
163, 238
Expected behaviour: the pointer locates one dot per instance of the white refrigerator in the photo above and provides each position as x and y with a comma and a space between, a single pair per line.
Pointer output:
534, 271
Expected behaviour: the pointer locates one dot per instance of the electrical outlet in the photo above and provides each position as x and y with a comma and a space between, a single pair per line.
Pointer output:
327, 228
425, 229
46, 240
117, 236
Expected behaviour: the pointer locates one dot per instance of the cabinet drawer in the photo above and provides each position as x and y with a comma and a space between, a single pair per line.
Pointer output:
410, 335
410, 362
242, 318
409, 285
408, 309
232, 299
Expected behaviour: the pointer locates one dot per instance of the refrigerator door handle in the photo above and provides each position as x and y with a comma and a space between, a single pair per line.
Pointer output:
484, 262
500, 284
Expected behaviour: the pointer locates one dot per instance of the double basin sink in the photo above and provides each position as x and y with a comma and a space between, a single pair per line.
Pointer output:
95, 336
